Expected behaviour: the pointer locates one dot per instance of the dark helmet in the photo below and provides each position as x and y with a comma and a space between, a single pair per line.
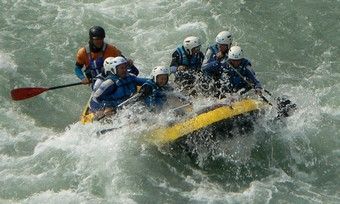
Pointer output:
97, 31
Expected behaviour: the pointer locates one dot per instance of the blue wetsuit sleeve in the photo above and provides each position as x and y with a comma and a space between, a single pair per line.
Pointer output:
175, 59
133, 70
140, 81
211, 67
79, 73
146, 90
250, 75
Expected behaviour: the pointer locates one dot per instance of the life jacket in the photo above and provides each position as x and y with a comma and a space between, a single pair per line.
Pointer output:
214, 49
95, 66
123, 88
235, 82
193, 62
97, 81
157, 97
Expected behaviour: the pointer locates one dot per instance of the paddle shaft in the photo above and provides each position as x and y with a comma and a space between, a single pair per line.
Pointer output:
180, 107
64, 86
129, 100
119, 105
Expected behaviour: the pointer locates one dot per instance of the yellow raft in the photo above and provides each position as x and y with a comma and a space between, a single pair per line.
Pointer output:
213, 116
86, 116
180, 130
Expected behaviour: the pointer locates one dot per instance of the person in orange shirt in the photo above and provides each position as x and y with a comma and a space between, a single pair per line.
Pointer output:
92, 56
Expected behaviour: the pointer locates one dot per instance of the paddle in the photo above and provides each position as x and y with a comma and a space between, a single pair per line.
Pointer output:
28, 92
284, 105
136, 96
103, 115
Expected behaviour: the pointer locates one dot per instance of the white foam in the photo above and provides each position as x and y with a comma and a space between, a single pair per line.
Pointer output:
6, 62
63, 196
192, 27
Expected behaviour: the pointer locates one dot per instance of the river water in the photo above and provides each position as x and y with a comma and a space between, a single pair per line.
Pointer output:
46, 156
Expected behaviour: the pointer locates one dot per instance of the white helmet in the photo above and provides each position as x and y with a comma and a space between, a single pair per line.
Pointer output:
235, 53
191, 42
224, 38
111, 63
158, 71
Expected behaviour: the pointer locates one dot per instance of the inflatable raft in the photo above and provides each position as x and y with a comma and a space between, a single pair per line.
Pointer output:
220, 117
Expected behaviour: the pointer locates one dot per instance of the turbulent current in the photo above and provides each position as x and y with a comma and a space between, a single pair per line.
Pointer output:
47, 156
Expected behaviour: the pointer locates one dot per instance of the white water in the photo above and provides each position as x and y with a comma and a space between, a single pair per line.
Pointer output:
46, 157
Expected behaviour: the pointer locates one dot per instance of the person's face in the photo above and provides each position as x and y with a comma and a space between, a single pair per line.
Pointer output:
223, 48
196, 49
235, 63
122, 70
162, 80
98, 42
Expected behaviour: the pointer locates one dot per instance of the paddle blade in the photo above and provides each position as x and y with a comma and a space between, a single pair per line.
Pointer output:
24, 93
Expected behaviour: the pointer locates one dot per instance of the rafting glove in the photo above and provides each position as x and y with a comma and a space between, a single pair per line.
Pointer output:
146, 90
258, 91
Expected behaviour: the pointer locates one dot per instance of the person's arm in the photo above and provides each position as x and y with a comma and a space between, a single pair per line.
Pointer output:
140, 81
211, 67
104, 93
146, 90
97, 84
208, 56
201, 57
133, 70
80, 63
79, 72
175, 59
251, 75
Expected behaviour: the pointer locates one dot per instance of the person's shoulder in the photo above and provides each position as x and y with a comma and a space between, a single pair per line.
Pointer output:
134, 77
168, 88
113, 50
175, 53
211, 46
81, 56
81, 51
246, 62
108, 82
148, 84
111, 77
111, 47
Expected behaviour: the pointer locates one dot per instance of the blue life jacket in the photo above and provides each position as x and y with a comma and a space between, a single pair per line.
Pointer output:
157, 98
212, 68
214, 50
194, 62
236, 82
96, 66
124, 88
115, 90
